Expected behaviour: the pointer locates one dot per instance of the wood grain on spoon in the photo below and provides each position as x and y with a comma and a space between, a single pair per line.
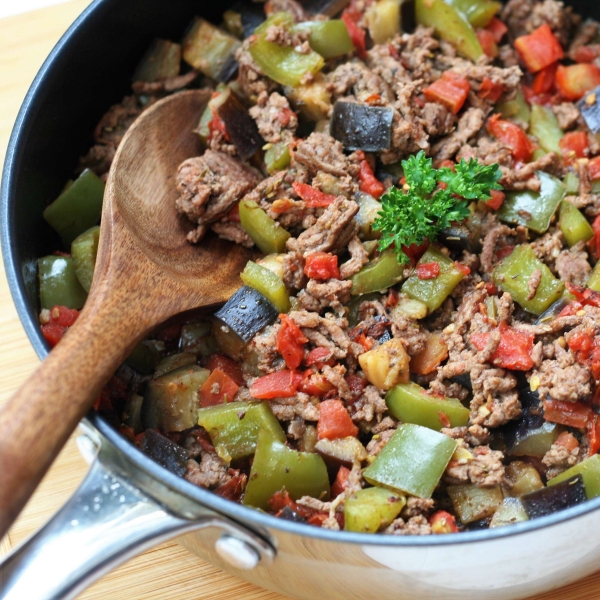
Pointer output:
145, 273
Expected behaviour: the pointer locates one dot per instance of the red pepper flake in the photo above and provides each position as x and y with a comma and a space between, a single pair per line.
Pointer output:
428, 270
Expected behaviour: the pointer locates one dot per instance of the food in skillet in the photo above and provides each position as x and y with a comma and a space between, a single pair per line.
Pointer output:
414, 348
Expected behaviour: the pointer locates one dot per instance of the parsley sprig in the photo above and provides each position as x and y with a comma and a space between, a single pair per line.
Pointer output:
421, 209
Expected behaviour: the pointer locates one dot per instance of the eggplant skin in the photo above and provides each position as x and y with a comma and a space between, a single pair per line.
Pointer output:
557, 497
591, 112
247, 312
361, 127
165, 452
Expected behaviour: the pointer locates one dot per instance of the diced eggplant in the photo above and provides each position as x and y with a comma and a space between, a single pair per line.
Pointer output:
368, 211
523, 477
161, 61
362, 127
511, 511
228, 69
175, 361
171, 402
343, 451
589, 108
146, 355
132, 413
252, 14
459, 237
531, 435
246, 313
196, 337
288, 514
551, 499
472, 503
165, 452
552, 312
329, 8
240, 126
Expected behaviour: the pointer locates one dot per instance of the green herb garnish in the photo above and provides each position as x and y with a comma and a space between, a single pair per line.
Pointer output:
421, 209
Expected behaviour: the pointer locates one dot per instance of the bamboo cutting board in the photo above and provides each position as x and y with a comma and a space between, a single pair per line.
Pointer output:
168, 572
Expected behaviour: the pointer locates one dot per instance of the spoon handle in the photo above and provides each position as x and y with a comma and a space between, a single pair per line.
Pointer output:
37, 421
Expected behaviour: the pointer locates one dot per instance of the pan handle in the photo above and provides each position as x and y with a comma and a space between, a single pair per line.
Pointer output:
108, 520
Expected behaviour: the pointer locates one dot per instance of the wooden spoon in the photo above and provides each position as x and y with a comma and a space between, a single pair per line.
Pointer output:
145, 272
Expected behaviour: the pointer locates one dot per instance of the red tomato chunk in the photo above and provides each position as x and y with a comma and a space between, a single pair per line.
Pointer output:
322, 265
334, 421
290, 342
539, 49
219, 388
514, 350
281, 384
451, 91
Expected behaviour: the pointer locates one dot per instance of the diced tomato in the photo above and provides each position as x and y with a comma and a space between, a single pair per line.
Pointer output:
169, 334
234, 488
356, 383
489, 90
574, 145
575, 80
451, 90
462, 268
334, 421
227, 365
587, 54
351, 16
318, 356
316, 384
217, 124
442, 522
234, 213
358, 335
498, 29
497, 199
491, 288
219, 388
584, 295
428, 270
544, 81
512, 136
61, 318
539, 49
572, 414
504, 252
487, 42
593, 432
290, 342
567, 440
414, 251
514, 350
322, 265
313, 198
281, 384
392, 299
594, 168
369, 184
532, 98
341, 482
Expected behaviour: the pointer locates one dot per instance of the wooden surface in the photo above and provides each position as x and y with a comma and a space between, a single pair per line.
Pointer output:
168, 572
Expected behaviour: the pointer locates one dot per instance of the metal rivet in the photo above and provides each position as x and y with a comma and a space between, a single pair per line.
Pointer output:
236, 552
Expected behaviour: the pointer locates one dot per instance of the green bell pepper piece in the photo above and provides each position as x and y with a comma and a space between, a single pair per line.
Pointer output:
84, 250
589, 469
282, 64
78, 208
571, 183
409, 403
175, 361
543, 124
370, 509
206, 47
573, 224
450, 25
266, 233
512, 275
472, 503
516, 109
197, 337
59, 285
413, 461
277, 157
277, 467
171, 401
328, 38
145, 356
233, 427
594, 281
378, 274
433, 292
368, 211
161, 61
268, 284
534, 209
479, 13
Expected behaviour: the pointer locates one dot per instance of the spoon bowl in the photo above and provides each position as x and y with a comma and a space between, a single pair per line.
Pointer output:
145, 273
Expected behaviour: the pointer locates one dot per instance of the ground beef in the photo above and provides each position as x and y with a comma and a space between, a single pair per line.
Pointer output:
413, 336
262, 350
493, 235
548, 247
524, 178
564, 378
470, 123
251, 79
321, 294
290, 6
358, 258
369, 404
211, 472
437, 119
293, 270
233, 232
484, 469
417, 52
381, 62
559, 458
414, 526
320, 152
378, 442
356, 78
572, 265
209, 186
300, 405
332, 232
171, 84
275, 120
567, 114
585, 34
417, 507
